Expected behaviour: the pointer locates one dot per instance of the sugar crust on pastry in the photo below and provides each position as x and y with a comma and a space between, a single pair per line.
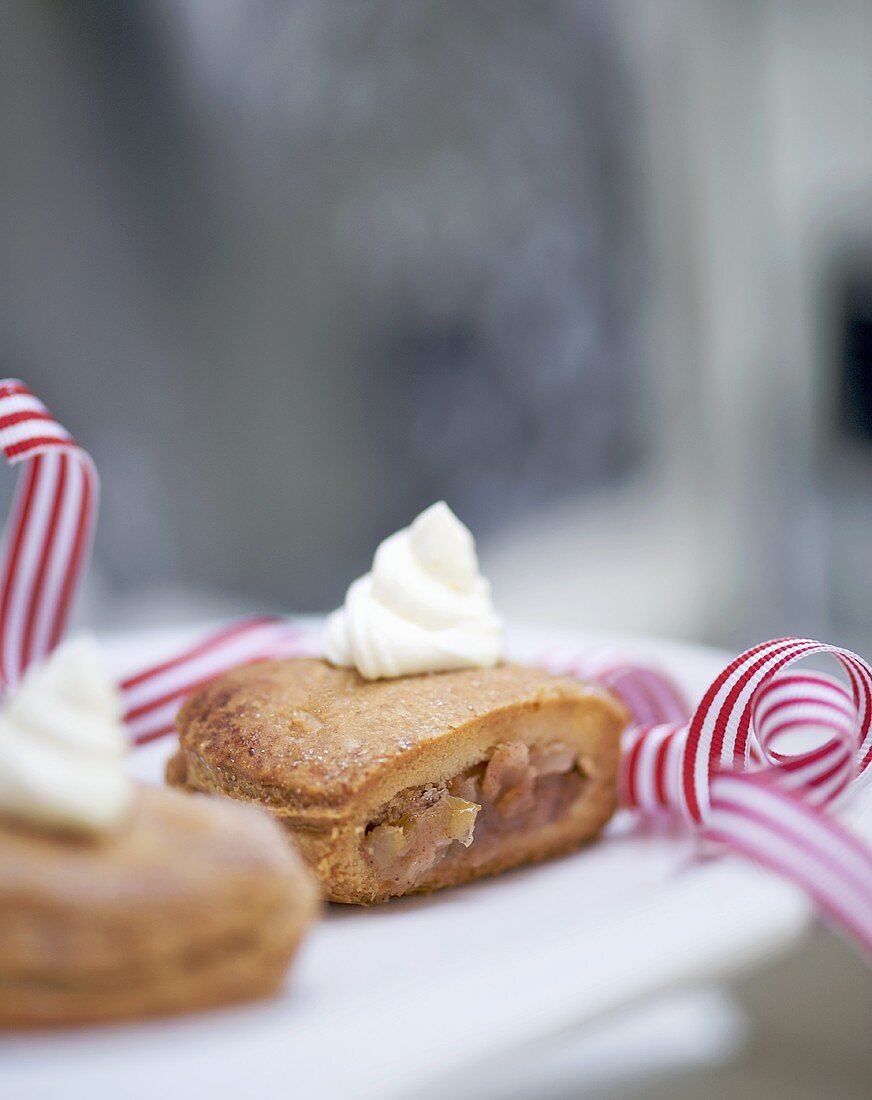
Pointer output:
193, 902
412, 784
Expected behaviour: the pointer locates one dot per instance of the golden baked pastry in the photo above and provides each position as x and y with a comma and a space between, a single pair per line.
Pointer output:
192, 902
407, 785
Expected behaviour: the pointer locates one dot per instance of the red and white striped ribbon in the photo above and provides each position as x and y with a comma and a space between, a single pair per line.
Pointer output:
153, 696
47, 541
648, 693
729, 772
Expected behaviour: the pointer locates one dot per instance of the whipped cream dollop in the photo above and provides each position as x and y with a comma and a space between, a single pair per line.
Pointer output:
62, 745
424, 606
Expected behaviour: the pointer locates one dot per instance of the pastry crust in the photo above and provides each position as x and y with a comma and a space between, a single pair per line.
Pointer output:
194, 902
329, 753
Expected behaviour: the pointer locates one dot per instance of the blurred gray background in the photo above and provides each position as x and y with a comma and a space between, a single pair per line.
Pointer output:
295, 270
599, 274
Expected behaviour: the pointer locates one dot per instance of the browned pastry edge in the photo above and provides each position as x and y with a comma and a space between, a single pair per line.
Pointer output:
195, 902
230, 973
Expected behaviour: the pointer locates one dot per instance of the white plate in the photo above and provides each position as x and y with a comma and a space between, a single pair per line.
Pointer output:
384, 1002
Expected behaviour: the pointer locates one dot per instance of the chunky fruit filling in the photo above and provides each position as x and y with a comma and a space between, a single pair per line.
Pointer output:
518, 789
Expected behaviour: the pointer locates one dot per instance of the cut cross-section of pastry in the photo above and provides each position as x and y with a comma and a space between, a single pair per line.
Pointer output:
408, 785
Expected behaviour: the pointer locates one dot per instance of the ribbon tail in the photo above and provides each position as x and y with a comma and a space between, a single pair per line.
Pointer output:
751, 813
153, 695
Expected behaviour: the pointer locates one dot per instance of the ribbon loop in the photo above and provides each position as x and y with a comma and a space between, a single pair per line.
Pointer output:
722, 734
48, 538
765, 751
818, 716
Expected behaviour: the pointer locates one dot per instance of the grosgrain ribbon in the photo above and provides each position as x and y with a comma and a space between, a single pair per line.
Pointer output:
47, 540
153, 695
722, 770
724, 773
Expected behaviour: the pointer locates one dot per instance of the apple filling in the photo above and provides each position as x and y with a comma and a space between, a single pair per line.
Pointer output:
518, 789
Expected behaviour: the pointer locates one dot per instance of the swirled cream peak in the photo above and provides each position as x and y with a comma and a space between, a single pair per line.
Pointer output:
423, 607
62, 745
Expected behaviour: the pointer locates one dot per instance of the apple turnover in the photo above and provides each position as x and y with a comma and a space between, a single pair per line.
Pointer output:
119, 900
191, 903
410, 784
